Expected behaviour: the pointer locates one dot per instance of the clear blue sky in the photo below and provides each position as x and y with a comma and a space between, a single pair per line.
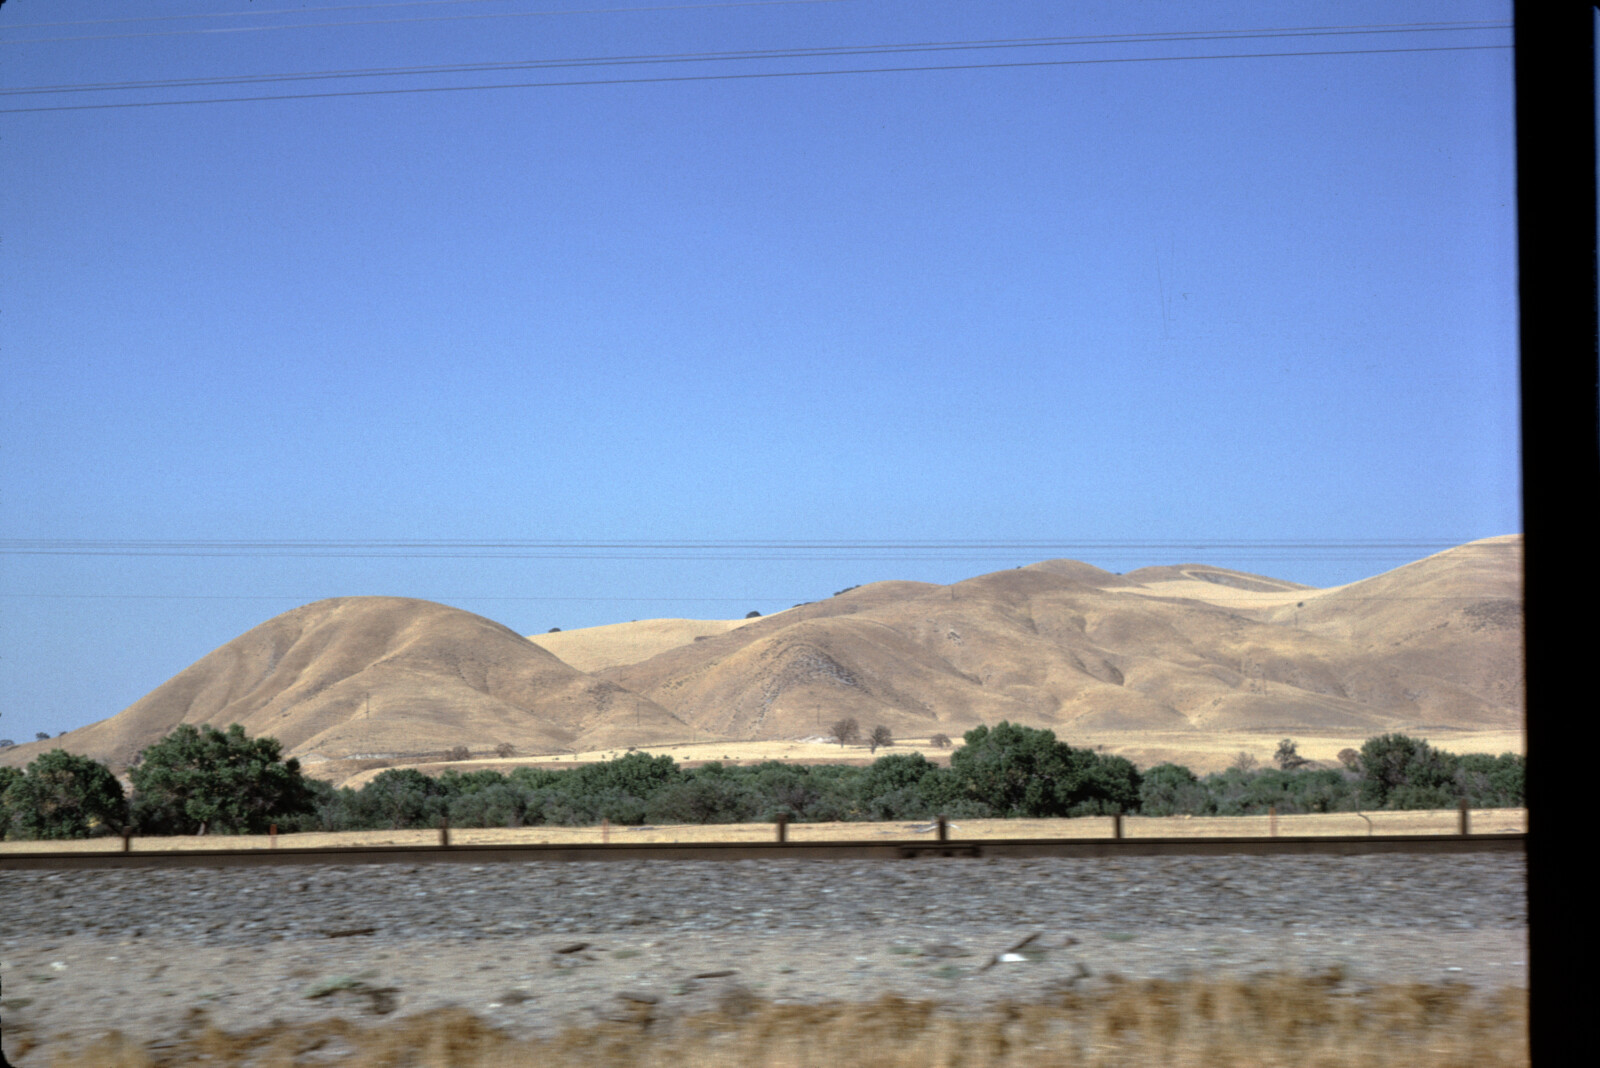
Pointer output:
1257, 312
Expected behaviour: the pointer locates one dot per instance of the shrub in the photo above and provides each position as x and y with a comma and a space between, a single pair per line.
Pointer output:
940, 741
500, 805
505, 750
1172, 790
399, 798
1492, 782
705, 800
459, 752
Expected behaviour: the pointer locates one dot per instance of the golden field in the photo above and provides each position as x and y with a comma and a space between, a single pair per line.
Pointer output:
1202, 753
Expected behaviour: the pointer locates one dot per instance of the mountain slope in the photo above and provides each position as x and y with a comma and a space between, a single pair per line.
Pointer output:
380, 674
1185, 650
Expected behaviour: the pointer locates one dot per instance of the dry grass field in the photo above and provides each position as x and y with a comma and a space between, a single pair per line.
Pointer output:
1201, 752
1303, 1022
1444, 822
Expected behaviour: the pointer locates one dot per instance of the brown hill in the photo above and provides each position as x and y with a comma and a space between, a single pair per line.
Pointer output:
606, 646
1066, 645
1143, 661
356, 675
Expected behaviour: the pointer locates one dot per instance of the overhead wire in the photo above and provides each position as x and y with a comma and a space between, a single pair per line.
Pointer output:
428, 18
742, 77
259, 13
722, 56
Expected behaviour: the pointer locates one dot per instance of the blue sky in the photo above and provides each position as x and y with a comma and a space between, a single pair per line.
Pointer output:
1257, 312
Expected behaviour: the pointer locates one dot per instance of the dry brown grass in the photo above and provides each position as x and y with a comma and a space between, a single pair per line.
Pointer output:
1306, 1022
1484, 821
1201, 752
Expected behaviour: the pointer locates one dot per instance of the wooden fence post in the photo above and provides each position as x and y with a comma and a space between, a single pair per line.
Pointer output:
1466, 819
272, 831
127, 839
1272, 820
944, 829
783, 826
1116, 825
605, 831
444, 833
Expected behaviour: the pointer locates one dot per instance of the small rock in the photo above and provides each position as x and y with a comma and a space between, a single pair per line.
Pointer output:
945, 950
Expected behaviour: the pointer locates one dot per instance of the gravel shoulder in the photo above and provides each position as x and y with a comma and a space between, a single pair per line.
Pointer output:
538, 947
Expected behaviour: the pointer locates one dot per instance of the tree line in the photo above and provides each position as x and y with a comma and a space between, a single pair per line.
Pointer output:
202, 780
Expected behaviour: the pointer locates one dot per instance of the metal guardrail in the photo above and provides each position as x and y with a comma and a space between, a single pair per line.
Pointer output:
446, 853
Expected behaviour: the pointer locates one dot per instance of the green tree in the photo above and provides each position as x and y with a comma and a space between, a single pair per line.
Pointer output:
399, 798
197, 780
1172, 790
1492, 782
1402, 772
456, 783
1113, 786
64, 796
714, 799
1021, 771
1288, 757
638, 774
8, 776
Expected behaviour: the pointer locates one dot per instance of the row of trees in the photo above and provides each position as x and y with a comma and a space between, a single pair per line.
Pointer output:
194, 781
203, 780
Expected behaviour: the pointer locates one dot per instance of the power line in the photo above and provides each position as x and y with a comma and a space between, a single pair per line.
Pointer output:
387, 22
263, 13
724, 56
752, 75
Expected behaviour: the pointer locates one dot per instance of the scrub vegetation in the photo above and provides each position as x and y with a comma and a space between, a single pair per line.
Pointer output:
1296, 1022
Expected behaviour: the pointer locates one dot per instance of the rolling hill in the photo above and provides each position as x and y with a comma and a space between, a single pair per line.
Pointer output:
1176, 652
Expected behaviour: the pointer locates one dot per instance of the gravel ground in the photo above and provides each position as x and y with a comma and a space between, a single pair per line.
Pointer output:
536, 947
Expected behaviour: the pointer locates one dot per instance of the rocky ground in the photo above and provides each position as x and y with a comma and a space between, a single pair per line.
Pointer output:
535, 947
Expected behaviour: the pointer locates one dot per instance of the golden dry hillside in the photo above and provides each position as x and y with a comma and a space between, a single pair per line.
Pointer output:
389, 675
1435, 644
1158, 663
